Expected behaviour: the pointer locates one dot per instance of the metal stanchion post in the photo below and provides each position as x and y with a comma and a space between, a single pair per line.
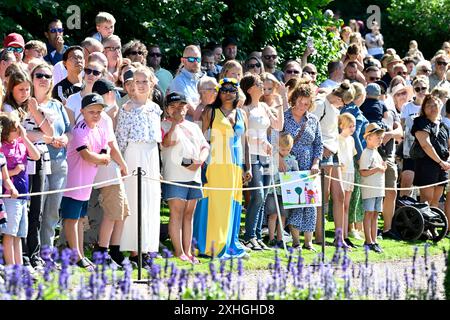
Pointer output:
139, 216
322, 184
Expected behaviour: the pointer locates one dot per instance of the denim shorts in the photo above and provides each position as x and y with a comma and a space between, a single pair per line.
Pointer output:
373, 204
170, 191
17, 224
73, 209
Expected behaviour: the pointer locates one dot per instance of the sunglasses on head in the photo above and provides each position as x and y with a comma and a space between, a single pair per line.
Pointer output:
255, 65
133, 53
270, 56
94, 72
155, 54
193, 59
42, 75
293, 72
228, 90
418, 89
15, 49
55, 30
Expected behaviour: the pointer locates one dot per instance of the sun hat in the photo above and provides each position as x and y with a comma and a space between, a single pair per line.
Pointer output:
371, 129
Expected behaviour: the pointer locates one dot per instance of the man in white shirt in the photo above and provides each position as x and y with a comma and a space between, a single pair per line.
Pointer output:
336, 75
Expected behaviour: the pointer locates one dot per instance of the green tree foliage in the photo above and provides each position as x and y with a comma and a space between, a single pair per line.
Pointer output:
173, 24
424, 21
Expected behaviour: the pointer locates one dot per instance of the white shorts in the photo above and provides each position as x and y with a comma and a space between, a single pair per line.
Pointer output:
348, 178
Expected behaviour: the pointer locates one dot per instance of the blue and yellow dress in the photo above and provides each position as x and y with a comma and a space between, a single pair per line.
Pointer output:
217, 216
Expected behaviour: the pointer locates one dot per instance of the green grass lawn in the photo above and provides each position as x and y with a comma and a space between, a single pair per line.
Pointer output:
393, 250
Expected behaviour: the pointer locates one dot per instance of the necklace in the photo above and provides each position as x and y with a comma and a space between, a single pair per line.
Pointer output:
227, 112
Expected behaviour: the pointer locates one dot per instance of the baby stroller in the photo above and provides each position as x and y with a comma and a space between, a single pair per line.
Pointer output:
417, 220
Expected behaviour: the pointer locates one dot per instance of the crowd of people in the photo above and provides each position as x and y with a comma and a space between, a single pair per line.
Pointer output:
92, 113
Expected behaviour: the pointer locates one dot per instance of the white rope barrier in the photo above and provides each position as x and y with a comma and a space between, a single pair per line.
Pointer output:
68, 189
221, 189
230, 189
387, 188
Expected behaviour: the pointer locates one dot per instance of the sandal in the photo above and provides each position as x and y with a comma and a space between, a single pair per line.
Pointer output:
310, 248
194, 260
184, 258
85, 264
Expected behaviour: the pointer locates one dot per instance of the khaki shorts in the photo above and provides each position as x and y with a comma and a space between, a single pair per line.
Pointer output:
114, 202
391, 175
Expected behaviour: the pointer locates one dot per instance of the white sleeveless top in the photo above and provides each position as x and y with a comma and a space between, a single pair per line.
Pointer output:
258, 123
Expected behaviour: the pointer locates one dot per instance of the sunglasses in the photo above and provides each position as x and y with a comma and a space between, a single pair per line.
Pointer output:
402, 73
418, 89
270, 56
256, 65
228, 90
42, 75
193, 59
55, 30
293, 72
155, 54
89, 71
133, 53
309, 72
426, 70
15, 49
374, 78
441, 63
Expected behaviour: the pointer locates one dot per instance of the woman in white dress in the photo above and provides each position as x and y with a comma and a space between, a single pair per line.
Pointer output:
138, 133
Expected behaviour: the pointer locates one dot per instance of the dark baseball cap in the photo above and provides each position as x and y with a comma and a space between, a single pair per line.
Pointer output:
92, 99
128, 75
102, 86
175, 97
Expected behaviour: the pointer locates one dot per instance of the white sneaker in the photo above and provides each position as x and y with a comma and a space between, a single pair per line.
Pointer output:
355, 235
287, 237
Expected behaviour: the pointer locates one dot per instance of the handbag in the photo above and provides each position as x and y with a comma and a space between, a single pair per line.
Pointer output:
416, 151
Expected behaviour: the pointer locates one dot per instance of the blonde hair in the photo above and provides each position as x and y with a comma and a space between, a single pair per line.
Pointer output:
230, 64
439, 92
345, 120
38, 45
104, 17
359, 89
421, 79
345, 91
266, 76
286, 140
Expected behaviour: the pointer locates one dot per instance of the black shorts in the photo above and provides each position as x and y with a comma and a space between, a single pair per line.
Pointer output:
428, 172
408, 164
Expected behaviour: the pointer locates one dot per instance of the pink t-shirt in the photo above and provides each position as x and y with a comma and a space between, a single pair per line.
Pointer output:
81, 172
16, 153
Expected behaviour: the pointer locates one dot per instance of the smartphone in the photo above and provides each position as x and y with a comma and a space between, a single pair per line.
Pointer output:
186, 162
310, 42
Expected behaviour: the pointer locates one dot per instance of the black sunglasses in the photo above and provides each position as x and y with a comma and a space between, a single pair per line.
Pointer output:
155, 54
270, 56
228, 90
418, 89
293, 72
133, 53
94, 72
441, 63
255, 65
43, 75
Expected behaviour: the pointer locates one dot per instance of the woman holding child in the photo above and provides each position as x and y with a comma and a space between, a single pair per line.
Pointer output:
301, 124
